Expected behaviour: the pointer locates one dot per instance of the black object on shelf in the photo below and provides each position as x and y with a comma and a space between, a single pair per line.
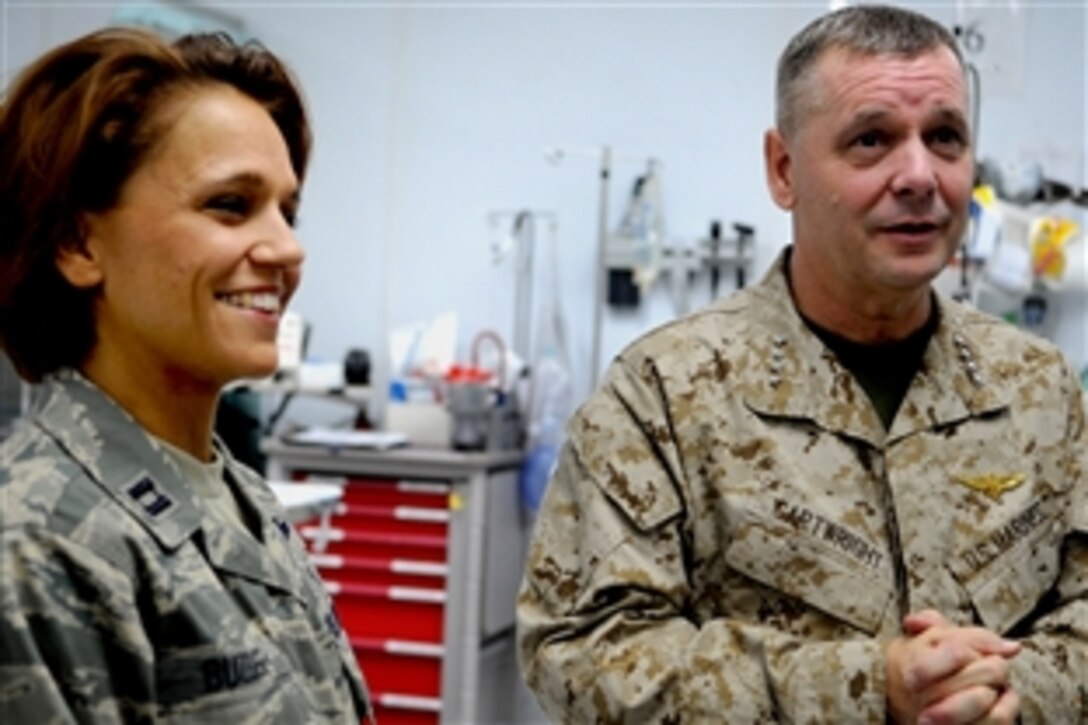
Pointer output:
357, 367
622, 289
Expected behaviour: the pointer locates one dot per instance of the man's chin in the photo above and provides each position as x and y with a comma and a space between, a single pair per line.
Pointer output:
912, 273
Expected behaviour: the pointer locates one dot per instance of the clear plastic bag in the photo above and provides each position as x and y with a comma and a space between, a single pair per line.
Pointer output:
549, 408
551, 397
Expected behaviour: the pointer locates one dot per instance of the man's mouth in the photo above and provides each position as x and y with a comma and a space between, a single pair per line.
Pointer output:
913, 228
267, 302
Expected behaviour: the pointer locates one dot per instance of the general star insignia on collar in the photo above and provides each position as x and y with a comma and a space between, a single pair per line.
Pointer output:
993, 485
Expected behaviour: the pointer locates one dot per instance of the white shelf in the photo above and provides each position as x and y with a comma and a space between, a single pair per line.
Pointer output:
306, 500
357, 394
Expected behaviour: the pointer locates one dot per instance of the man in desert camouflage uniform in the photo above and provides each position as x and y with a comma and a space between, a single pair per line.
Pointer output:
834, 497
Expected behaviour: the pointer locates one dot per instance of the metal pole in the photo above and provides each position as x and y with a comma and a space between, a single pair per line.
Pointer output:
525, 241
602, 268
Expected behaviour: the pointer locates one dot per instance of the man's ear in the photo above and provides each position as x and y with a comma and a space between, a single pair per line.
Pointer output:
80, 262
778, 167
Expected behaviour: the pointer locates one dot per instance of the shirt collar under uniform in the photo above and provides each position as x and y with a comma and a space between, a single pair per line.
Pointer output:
794, 374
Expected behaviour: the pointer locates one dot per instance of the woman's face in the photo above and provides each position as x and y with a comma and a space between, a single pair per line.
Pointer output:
198, 259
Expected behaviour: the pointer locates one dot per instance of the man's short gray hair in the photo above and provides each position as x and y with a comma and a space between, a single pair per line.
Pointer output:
862, 29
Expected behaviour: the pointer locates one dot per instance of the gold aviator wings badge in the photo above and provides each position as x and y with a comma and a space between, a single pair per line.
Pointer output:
993, 485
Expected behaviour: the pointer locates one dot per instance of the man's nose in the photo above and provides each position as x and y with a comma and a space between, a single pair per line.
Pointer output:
916, 173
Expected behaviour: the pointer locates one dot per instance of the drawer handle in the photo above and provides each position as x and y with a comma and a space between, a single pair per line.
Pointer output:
409, 702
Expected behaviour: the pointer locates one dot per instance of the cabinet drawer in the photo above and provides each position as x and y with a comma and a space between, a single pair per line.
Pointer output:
391, 492
394, 709
374, 611
387, 571
384, 517
385, 545
400, 666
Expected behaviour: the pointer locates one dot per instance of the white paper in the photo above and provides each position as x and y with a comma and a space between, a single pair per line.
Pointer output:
1009, 267
341, 438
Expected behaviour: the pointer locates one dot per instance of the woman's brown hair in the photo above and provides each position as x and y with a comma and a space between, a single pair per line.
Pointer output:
73, 127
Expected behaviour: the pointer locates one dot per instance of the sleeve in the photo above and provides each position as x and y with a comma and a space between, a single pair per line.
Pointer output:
1051, 672
72, 647
606, 630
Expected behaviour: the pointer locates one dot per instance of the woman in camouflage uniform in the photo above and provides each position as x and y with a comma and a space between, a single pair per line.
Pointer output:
148, 193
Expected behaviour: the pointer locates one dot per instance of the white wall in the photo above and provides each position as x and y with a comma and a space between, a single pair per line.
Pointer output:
429, 118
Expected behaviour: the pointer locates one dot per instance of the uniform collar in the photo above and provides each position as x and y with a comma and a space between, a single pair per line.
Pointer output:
126, 461
116, 452
794, 375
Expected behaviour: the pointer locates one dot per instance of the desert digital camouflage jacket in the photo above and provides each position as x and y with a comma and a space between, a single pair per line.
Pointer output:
732, 535
122, 600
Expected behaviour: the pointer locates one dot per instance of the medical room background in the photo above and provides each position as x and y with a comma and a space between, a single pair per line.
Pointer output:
551, 179
438, 124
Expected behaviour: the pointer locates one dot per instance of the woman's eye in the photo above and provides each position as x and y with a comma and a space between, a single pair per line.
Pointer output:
290, 215
231, 204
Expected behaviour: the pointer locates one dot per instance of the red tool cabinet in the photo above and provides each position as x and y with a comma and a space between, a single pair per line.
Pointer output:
423, 556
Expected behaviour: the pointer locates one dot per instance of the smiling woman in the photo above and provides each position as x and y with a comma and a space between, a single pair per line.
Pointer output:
198, 257
149, 193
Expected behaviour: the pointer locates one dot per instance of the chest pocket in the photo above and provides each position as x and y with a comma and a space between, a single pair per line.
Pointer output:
222, 683
1006, 571
813, 571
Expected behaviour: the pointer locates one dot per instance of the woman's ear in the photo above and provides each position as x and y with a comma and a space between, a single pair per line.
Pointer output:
80, 262
776, 161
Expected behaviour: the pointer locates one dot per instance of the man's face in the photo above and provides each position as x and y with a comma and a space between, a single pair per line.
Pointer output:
878, 174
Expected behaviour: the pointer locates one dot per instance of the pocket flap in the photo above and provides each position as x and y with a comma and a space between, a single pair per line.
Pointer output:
641, 489
1010, 586
805, 568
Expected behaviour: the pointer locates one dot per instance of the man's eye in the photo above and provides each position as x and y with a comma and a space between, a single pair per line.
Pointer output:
948, 137
869, 139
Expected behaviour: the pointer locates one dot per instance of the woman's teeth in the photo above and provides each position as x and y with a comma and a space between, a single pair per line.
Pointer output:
261, 301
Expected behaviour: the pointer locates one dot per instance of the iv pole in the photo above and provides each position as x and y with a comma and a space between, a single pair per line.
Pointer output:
602, 269
522, 244
605, 156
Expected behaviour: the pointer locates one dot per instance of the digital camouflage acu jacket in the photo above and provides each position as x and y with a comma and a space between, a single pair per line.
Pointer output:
122, 600
732, 535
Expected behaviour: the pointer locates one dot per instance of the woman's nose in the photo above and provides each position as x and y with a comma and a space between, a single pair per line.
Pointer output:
277, 243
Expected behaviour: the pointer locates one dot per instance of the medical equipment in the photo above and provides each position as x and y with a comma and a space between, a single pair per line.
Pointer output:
605, 157
483, 405
549, 395
632, 259
1026, 183
1014, 261
633, 252
684, 264
520, 240
716, 254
